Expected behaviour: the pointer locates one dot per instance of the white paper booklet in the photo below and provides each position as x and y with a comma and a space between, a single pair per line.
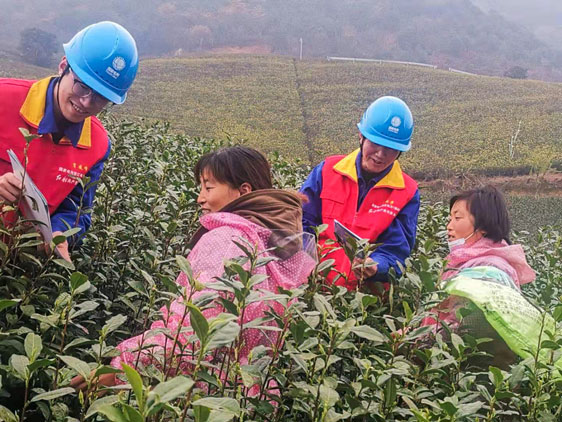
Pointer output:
343, 234
35, 205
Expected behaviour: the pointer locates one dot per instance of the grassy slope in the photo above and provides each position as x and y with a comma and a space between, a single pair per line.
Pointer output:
527, 211
309, 109
254, 99
463, 122
13, 69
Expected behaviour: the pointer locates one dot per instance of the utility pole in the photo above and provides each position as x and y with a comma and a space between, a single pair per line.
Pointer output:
300, 55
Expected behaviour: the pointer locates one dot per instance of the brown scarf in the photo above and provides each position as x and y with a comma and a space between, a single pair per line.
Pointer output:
273, 209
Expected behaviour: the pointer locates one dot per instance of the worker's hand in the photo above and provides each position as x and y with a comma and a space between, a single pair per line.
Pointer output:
10, 187
62, 248
364, 268
104, 380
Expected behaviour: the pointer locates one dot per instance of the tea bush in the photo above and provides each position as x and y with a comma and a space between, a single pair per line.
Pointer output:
339, 355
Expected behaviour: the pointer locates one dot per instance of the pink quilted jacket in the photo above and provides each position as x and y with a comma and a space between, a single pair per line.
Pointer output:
206, 260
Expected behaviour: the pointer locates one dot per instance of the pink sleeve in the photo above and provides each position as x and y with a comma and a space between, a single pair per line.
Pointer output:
206, 258
209, 254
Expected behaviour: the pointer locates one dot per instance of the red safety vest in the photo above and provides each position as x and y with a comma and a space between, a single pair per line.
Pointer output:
51, 166
380, 207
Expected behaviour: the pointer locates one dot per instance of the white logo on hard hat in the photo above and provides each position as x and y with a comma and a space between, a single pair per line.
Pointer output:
112, 72
395, 121
119, 63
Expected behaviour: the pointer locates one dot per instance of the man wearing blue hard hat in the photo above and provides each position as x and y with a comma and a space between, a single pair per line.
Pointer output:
369, 194
98, 68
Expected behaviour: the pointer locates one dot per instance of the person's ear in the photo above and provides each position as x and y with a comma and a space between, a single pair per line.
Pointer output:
245, 188
62, 65
480, 233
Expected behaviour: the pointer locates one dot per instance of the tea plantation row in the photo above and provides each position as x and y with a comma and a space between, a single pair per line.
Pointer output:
338, 362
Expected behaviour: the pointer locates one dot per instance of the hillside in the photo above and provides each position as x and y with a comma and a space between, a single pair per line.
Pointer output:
309, 109
452, 33
10, 68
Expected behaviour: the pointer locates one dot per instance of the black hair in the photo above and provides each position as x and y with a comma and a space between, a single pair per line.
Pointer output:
487, 206
236, 165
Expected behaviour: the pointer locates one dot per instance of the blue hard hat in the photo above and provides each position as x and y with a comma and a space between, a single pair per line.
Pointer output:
388, 122
104, 56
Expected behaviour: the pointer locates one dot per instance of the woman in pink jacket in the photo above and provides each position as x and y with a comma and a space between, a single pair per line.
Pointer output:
239, 205
478, 238
478, 235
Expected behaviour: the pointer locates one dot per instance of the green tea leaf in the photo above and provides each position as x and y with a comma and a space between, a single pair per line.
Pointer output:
167, 391
71, 232
407, 310
41, 363
201, 413
257, 279
33, 346
558, 313
390, 393
112, 413
101, 402
198, 322
81, 367
496, 376
325, 265
132, 414
114, 323
184, 266
136, 384
6, 415
329, 396
369, 333
64, 264
77, 279
224, 404
54, 394
8, 303
19, 363
448, 407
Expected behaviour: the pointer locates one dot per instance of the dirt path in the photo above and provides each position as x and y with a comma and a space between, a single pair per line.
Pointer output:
305, 129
